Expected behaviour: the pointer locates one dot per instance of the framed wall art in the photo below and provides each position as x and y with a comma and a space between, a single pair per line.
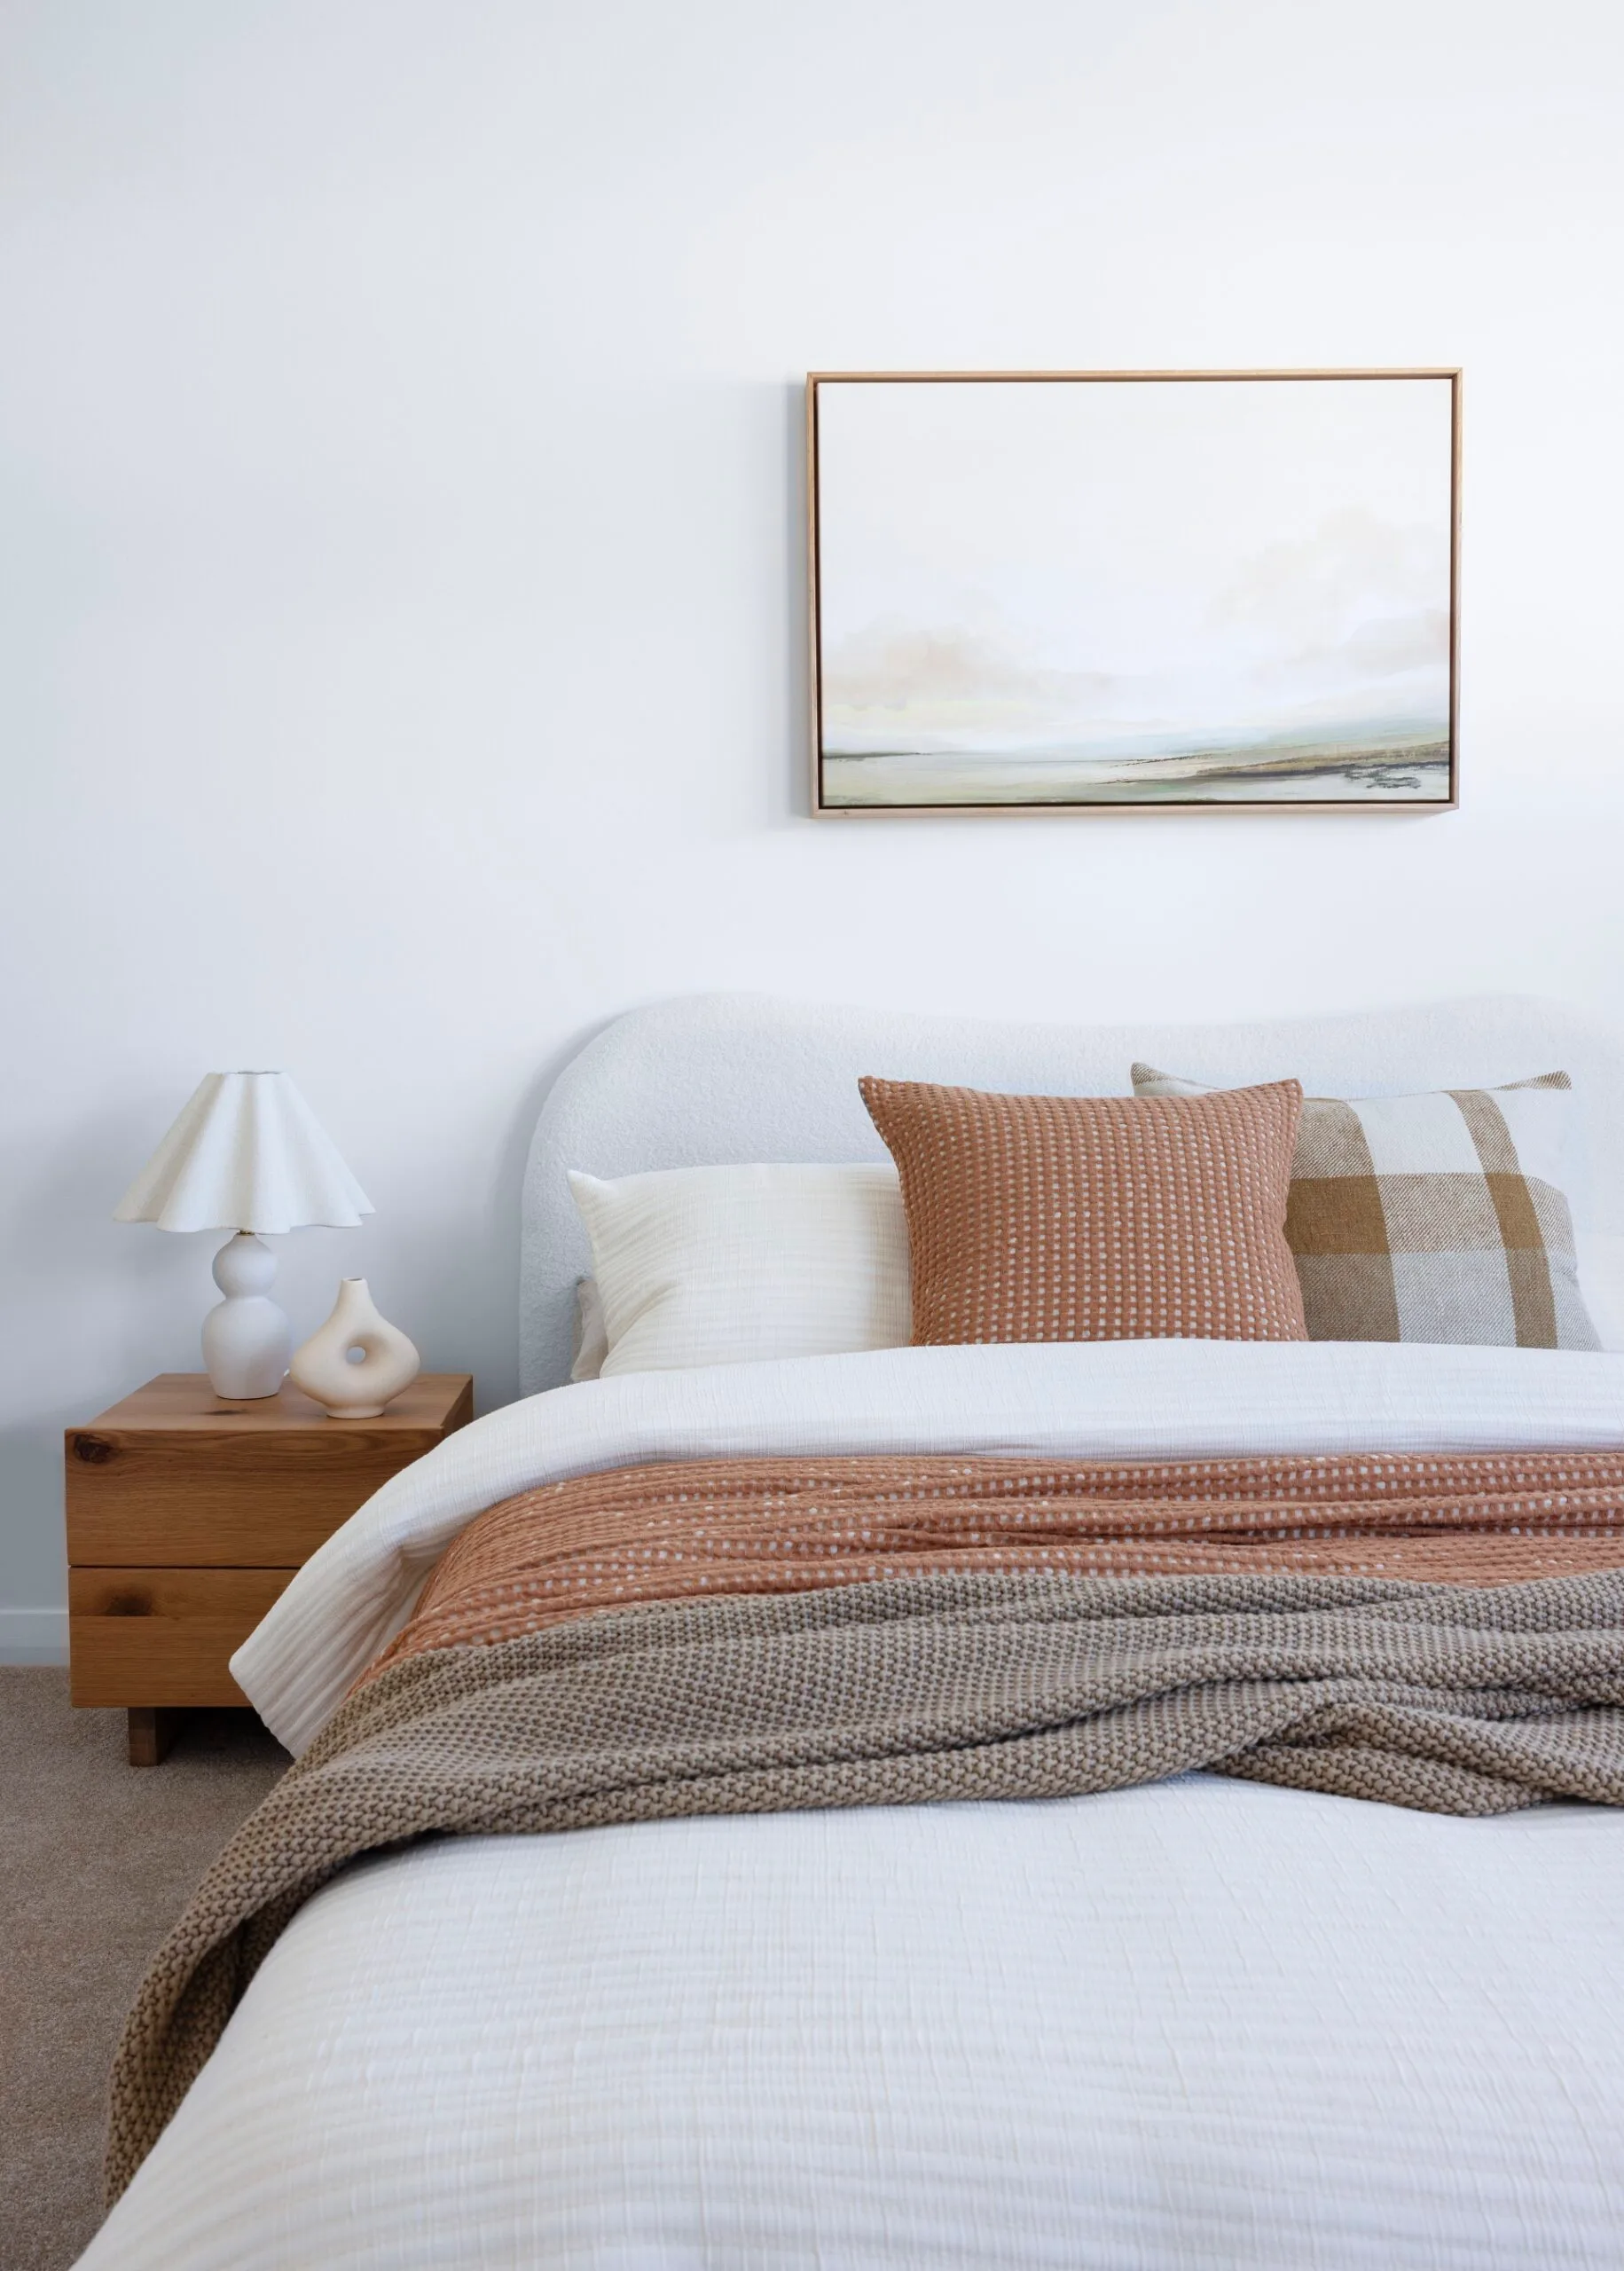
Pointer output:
1157, 589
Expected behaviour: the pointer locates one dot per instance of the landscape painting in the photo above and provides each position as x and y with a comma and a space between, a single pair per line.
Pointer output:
1163, 589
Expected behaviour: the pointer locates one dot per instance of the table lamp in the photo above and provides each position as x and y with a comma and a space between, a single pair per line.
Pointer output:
247, 1154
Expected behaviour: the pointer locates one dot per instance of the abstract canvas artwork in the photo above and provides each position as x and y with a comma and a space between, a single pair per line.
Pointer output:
1167, 589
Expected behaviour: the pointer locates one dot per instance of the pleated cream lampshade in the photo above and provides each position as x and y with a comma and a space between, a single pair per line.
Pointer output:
247, 1154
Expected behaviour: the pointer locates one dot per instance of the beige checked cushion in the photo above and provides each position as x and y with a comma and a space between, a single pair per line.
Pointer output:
1094, 1218
1436, 1217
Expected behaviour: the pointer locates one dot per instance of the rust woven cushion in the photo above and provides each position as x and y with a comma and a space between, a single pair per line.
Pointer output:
1095, 1218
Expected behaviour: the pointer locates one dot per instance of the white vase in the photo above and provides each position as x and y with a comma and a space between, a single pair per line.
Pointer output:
345, 1390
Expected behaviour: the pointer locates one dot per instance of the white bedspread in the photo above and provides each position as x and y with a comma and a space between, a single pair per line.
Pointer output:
1185, 2028
1199, 2027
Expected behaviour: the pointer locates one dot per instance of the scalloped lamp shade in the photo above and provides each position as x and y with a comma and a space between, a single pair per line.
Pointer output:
247, 1153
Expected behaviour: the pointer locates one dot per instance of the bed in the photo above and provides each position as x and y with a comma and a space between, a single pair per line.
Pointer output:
1198, 2021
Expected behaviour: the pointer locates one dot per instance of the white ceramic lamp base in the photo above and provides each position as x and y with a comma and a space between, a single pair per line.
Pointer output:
245, 1338
347, 1390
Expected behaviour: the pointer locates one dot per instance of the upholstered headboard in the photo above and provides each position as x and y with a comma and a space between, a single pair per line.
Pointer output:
732, 1077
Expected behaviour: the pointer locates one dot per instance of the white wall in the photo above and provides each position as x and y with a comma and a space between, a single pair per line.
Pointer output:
400, 597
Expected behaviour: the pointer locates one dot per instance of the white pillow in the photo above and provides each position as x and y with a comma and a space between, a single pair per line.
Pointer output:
726, 1265
1601, 1281
590, 1343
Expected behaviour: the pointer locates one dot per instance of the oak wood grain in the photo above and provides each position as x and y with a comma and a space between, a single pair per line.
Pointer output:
201, 1517
174, 1476
184, 1402
162, 1637
187, 1515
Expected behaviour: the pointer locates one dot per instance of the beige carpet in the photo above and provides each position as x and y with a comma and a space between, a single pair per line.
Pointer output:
96, 1858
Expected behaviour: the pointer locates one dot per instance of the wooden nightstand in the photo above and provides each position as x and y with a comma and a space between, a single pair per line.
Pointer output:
186, 1517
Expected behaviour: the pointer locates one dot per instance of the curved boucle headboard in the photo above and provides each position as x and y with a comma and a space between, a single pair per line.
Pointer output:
737, 1078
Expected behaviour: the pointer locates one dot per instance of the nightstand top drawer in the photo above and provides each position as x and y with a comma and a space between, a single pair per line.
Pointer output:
174, 1477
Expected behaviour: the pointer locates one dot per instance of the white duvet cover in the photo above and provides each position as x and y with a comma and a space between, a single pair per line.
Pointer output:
1199, 2025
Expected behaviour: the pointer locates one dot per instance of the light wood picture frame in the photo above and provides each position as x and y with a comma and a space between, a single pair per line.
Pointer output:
1110, 591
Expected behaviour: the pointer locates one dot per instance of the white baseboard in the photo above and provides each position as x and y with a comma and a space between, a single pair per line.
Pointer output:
33, 1636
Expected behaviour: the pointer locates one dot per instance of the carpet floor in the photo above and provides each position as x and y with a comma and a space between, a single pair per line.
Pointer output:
96, 1860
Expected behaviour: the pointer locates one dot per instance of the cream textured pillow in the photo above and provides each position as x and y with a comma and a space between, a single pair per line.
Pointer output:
1095, 1218
589, 1342
1441, 1217
725, 1265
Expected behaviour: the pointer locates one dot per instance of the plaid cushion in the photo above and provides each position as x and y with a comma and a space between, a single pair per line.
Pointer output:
1433, 1217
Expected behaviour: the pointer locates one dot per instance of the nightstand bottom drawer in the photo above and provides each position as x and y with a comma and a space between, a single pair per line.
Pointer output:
140, 1636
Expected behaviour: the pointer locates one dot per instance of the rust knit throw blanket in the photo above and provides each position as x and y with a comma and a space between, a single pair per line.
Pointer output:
872, 1632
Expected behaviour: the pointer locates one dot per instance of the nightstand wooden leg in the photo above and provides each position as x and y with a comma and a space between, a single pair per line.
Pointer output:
151, 1734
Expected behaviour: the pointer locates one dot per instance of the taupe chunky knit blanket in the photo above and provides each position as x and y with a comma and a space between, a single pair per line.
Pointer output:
1468, 1700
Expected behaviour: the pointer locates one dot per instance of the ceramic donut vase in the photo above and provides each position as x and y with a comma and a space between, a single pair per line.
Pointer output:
345, 1390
